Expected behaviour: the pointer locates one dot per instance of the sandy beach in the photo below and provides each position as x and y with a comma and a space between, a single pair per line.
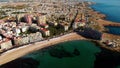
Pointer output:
21, 51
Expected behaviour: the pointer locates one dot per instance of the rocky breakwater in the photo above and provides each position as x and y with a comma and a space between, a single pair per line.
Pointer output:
109, 41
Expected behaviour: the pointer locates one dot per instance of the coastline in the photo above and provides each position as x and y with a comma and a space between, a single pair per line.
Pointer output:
26, 49
21, 51
104, 22
107, 36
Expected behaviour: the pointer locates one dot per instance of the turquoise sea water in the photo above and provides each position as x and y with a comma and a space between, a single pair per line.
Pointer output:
108, 7
113, 30
72, 54
87, 55
111, 8
84, 59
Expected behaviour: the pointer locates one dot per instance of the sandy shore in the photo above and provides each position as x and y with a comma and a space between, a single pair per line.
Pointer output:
110, 36
21, 51
102, 23
106, 22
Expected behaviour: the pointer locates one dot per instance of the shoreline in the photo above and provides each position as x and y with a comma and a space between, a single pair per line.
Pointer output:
103, 15
23, 50
15, 53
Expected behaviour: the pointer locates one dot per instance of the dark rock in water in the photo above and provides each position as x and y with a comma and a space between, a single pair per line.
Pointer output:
22, 63
107, 59
60, 53
76, 52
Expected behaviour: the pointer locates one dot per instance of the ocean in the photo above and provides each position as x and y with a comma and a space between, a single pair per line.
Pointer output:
76, 54
111, 9
71, 54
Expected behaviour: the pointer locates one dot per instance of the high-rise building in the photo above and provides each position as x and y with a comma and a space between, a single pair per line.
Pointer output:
41, 19
18, 17
28, 19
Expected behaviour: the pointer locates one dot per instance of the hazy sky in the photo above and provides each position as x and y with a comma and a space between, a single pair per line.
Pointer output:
8, 0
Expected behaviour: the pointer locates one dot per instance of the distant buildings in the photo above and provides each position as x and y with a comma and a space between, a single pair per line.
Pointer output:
45, 32
79, 20
17, 31
35, 22
44, 25
5, 44
17, 41
28, 19
24, 28
33, 37
18, 19
65, 25
41, 19
80, 23
52, 23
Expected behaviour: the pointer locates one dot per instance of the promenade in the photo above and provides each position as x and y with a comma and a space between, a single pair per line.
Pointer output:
21, 51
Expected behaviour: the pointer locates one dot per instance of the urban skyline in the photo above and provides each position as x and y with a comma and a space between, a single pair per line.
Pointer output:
30, 25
